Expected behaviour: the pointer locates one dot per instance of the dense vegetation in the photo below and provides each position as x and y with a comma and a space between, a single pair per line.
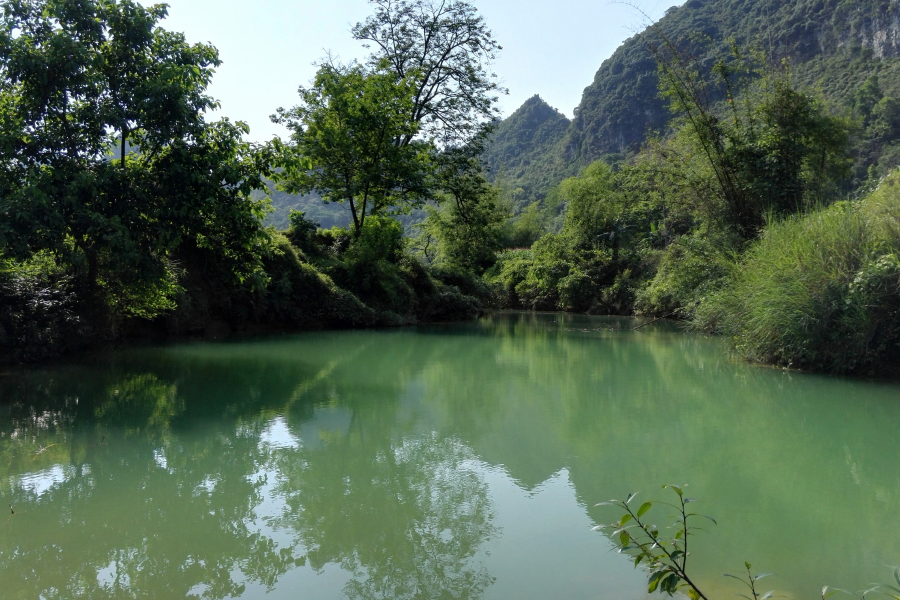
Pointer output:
833, 46
127, 213
724, 216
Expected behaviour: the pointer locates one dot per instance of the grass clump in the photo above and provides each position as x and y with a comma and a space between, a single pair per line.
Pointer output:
819, 291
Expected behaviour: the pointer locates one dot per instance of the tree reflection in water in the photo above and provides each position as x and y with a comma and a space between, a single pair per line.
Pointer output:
204, 468
405, 520
161, 484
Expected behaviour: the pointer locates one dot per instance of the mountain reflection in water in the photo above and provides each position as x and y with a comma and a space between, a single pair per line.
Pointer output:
444, 462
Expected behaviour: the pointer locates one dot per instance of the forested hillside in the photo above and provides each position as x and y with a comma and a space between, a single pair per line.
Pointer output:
833, 46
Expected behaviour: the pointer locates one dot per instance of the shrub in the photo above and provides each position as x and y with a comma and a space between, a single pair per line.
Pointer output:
821, 291
466, 282
298, 293
511, 268
381, 240
689, 270
302, 233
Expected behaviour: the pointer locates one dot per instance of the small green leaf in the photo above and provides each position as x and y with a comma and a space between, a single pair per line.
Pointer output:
761, 575
653, 582
644, 508
624, 538
693, 594
630, 497
748, 565
715, 523
670, 583
625, 518
674, 487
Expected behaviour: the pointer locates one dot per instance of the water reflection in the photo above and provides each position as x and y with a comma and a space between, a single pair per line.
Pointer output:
449, 462
213, 473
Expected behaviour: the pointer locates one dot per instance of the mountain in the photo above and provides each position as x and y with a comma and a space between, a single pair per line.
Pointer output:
833, 46
326, 215
527, 137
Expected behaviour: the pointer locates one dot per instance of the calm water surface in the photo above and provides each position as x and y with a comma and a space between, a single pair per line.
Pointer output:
442, 462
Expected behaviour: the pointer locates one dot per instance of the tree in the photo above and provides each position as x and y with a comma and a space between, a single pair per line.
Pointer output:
344, 142
769, 148
81, 78
444, 49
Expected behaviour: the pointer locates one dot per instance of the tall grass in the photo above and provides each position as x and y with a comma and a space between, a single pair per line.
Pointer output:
819, 291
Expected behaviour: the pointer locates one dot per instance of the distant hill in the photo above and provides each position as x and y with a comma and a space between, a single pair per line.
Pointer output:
527, 137
326, 215
832, 45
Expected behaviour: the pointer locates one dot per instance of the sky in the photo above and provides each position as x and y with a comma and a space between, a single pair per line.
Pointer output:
269, 47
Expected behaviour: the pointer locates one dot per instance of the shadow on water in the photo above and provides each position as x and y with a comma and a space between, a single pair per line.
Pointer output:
365, 464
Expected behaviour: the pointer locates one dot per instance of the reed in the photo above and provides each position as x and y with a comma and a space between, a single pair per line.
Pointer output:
819, 291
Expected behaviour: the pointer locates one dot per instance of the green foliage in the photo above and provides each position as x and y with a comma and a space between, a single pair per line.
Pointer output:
511, 268
119, 81
382, 240
595, 263
327, 214
527, 227
772, 150
300, 294
830, 44
345, 142
688, 271
819, 291
464, 235
665, 553
302, 231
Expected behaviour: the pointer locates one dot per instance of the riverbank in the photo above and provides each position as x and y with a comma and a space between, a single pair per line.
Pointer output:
45, 313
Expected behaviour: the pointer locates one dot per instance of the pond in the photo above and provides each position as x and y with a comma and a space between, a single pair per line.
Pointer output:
458, 461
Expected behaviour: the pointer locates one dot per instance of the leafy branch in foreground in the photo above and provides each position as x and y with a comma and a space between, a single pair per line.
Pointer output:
881, 588
666, 554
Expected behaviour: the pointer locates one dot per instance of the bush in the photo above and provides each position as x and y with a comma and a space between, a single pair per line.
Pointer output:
298, 293
511, 268
466, 282
302, 232
381, 240
452, 305
819, 292
688, 271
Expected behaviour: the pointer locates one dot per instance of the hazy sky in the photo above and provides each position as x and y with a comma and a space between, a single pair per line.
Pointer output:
551, 48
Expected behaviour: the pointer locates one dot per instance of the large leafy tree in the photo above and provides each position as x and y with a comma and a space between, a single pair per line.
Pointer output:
344, 142
771, 149
82, 81
446, 50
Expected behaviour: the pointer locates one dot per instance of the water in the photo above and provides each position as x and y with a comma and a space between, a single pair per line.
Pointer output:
442, 462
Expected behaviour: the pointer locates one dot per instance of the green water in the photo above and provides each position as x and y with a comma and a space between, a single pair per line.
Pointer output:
441, 462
